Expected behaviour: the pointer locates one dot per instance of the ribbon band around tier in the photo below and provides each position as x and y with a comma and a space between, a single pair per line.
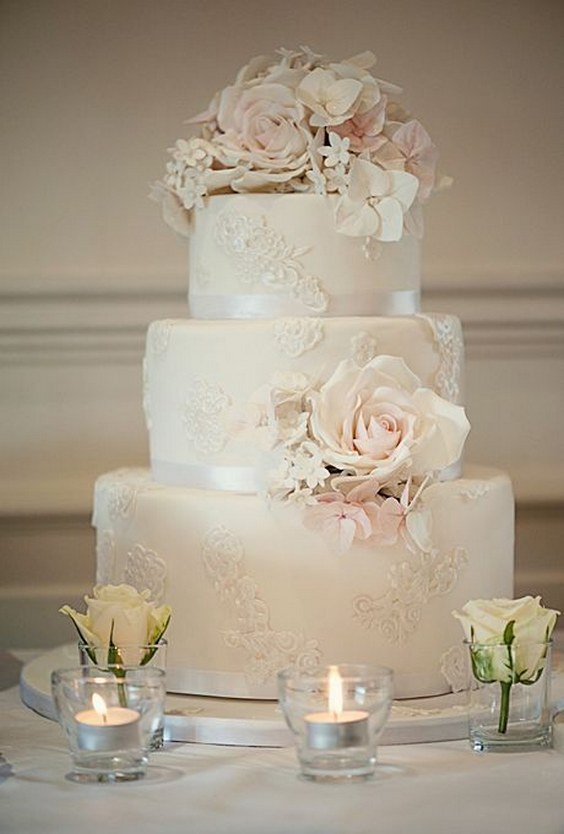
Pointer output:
277, 305
244, 479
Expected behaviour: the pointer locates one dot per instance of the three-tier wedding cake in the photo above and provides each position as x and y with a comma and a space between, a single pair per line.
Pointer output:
306, 502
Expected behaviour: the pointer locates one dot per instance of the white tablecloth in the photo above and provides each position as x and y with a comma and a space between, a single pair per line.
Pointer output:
203, 789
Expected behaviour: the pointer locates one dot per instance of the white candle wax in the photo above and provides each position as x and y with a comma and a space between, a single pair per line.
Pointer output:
117, 729
329, 730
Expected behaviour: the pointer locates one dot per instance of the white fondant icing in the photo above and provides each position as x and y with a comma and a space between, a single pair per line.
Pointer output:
307, 588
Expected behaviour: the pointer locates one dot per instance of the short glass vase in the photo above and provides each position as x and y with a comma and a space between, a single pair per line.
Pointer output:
114, 658
509, 701
109, 720
337, 741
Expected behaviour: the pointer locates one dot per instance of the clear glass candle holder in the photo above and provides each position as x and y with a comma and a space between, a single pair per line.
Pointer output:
149, 654
114, 658
109, 719
337, 716
509, 703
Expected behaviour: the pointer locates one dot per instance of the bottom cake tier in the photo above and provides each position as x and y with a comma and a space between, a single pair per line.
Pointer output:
253, 591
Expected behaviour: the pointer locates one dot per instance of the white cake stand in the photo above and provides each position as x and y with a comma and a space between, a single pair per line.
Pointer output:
246, 723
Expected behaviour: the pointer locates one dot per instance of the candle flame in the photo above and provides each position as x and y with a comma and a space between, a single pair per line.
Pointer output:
335, 691
100, 706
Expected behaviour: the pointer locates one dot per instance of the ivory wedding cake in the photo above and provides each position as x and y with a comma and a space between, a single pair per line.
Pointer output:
306, 502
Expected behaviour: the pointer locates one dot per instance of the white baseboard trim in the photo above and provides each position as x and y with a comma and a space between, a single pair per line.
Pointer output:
87, 318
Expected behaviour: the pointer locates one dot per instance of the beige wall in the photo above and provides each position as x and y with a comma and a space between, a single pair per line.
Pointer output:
94, 91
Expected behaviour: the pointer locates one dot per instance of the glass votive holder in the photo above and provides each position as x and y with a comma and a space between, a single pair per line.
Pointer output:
109, 718
115, 657
509, 703
153, 654
337, 716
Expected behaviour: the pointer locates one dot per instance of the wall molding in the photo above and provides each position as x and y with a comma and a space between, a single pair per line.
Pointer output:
86, 318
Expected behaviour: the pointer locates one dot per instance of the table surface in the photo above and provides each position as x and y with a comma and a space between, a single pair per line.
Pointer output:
205, 789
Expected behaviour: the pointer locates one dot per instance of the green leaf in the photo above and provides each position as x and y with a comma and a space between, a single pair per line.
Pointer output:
114, 657
509, 633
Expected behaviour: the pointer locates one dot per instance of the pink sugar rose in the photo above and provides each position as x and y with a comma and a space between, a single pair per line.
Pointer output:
265, 126
377, 420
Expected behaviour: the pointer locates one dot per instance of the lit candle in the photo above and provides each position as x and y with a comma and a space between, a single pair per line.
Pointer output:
336, 728
102, 728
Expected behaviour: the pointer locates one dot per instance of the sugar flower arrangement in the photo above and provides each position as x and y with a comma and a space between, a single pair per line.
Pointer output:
357, 452
121, 624
298, 122
508, 641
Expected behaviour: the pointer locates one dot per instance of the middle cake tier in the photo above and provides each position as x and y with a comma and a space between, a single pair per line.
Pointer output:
201, 380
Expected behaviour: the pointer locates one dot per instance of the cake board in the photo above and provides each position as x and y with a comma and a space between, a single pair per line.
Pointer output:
248, 723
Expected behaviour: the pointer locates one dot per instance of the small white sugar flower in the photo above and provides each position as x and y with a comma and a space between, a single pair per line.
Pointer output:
337, 152
194, 153
318, 181
193, 192
337, 179
307, 465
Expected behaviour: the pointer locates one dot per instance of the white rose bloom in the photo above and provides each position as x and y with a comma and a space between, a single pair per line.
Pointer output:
378, 420
120, 610
484, 622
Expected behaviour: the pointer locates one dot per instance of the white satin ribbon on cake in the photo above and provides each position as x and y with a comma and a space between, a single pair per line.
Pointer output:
377, 303
206, 476
246, 479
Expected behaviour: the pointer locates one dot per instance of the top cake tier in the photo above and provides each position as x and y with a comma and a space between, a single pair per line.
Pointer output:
264, 256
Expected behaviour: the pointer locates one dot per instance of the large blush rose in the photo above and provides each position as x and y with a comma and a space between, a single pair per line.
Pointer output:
379, 420
264, 125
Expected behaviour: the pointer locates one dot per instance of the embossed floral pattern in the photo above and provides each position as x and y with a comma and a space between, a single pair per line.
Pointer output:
447, 332
453, 668
144, 569
158, 336
411, 584
363, 348
267, 650
202, 414
474, 490
105, 557
120, 500
262, 256
296, 335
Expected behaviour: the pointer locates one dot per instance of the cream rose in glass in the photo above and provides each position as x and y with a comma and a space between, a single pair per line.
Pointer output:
120, 618
378, 420
508, 641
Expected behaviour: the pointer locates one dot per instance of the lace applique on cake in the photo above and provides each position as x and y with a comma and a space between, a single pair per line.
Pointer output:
396, 614
158, 337
120, 501
296, 335
363, 348
447, 332
144, 569
202, 415
453, 668
105, 558
267, 650
262, 256
474, 490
